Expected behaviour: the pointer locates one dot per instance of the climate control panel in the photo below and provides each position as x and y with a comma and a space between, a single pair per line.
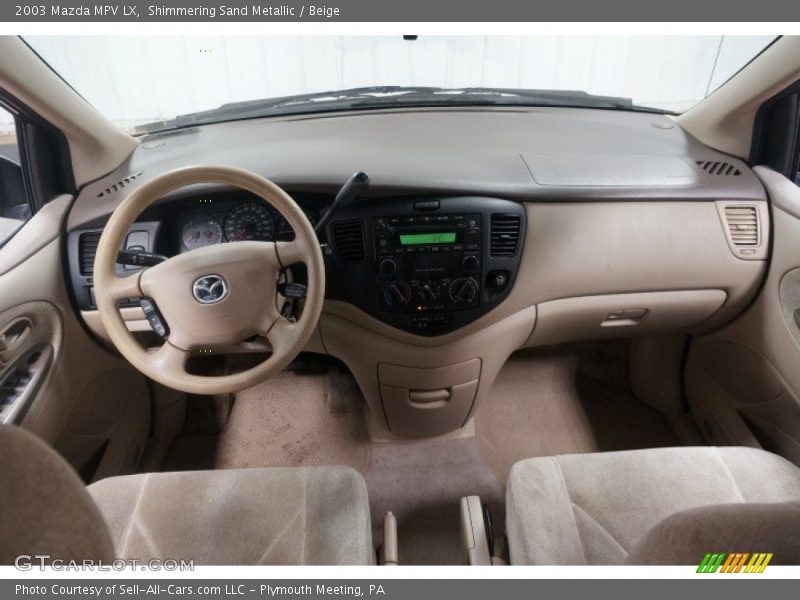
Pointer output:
429, 265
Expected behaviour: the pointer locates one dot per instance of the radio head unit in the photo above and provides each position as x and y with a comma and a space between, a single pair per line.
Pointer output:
427, 271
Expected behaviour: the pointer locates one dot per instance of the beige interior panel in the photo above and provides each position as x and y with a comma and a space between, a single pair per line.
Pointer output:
421, 402
601, 155
96, 145
725, 119
655, 375
622, 315
41, 229
616, 248
35, 289
450, 366
743, 381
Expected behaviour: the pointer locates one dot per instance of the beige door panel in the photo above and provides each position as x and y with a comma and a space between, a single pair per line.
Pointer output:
743, 381
30, 336
83, 394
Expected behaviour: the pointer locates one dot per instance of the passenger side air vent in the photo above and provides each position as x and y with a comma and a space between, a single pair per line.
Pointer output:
504, 235
87, 248
743, 225
119, 185
715, 167
348, 239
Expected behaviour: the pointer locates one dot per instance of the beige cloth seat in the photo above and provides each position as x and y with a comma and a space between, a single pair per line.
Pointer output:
289, 516
659, 506
309, 515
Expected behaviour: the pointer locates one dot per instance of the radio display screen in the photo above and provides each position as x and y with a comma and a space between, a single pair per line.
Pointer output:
428, 238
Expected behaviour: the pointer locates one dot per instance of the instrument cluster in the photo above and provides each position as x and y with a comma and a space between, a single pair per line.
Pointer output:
217, 221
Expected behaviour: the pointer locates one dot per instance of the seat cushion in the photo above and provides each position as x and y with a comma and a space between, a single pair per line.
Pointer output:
594, 508
685, 537
44, 507
287, 516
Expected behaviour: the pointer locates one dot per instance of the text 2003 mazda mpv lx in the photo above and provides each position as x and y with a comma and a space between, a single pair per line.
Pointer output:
386, 300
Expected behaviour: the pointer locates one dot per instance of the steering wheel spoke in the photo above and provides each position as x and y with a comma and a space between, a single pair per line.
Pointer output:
122, 288
169, 358
290, 253
281, 331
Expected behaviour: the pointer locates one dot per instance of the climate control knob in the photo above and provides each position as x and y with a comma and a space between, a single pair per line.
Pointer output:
396, 293
463, 290
428, 292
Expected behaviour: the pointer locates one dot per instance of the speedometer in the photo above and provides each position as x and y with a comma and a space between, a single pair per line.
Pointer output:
250, 221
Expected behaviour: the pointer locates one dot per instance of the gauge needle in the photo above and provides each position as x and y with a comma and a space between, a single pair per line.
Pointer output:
239, 233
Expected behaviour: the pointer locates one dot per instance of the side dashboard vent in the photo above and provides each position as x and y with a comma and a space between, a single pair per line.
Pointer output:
119, 185
505, 230
348, 239
87, 248
715, 167
743, 225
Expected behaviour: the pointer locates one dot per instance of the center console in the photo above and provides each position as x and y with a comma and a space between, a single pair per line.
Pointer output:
427, 265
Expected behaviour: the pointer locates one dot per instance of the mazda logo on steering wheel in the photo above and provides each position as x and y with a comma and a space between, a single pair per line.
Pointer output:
210, 289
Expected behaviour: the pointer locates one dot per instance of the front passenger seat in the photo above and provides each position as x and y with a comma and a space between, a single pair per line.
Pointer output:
658, 506
294, 516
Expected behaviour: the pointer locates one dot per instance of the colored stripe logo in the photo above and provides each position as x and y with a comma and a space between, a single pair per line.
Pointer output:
734, 562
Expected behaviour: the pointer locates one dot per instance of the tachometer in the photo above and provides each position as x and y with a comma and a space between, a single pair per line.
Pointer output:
201, 230
285, 232
250, 221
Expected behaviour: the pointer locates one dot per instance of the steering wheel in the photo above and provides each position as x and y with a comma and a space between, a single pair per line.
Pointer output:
212, 296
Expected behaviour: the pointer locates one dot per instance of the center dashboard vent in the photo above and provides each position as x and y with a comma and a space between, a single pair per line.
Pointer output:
348, 239
743, 225
87, 248
505, 230
716, 167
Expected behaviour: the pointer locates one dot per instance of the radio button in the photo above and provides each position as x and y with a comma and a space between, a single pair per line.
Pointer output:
471, 263
387, 267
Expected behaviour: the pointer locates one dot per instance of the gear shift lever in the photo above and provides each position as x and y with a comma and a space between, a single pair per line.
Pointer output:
352, 189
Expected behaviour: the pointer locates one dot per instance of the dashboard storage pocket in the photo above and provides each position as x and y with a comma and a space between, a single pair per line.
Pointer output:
428, 401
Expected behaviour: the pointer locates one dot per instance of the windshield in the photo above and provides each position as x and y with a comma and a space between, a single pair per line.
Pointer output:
153, 83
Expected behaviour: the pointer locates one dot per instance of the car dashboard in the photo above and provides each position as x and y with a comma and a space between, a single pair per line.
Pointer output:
482, 232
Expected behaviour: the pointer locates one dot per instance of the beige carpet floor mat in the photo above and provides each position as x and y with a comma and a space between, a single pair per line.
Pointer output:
566, 400
560, 400
291, 420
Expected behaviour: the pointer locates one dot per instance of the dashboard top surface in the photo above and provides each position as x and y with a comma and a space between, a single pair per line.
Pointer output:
524, 154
